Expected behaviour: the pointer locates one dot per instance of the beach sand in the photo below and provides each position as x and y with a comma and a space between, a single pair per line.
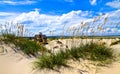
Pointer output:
16, 63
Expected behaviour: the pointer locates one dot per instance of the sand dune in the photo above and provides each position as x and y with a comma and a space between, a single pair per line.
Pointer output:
16, 63
10, 65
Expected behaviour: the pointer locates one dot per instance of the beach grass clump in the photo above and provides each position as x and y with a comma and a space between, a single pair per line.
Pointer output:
92, 51
51, 61
73, 53
95, 52
116, 42
8, 38
101, 54
28, 46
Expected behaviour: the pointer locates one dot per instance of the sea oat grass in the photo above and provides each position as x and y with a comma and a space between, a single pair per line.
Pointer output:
8, 38
116, 42
94, 52
52, 61
26, 45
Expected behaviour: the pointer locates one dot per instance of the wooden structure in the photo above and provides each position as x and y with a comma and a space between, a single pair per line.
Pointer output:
39, 38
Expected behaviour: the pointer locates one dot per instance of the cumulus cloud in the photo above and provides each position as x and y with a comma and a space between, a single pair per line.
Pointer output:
55, 23
93, 2
114, 4
10, 2
37, 22
111, 27
6, 16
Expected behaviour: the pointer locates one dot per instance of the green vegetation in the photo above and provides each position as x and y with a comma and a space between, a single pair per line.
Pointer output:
116, 42
8, 38
51, 61
96, 52
92, 51
26, 45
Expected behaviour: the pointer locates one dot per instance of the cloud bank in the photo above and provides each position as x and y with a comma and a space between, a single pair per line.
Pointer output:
45, 23
37, 22
114, 4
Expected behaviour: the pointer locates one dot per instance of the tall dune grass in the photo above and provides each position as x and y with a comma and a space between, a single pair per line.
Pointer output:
96, 52
52, 61
89, 51
14, 33
17, 29
26, 45
116, 42
93, 51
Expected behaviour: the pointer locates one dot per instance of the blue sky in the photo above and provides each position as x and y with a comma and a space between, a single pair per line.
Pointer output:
54, 7
52, 15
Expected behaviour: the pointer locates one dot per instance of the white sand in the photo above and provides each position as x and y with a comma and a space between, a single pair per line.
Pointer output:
15, 63
9, 65
112, 69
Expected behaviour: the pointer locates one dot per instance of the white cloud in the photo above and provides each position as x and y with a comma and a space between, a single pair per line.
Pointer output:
37, 22
114, 4
7, 16
93, 2
52, 22
113, 20
110, 26
17, 2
